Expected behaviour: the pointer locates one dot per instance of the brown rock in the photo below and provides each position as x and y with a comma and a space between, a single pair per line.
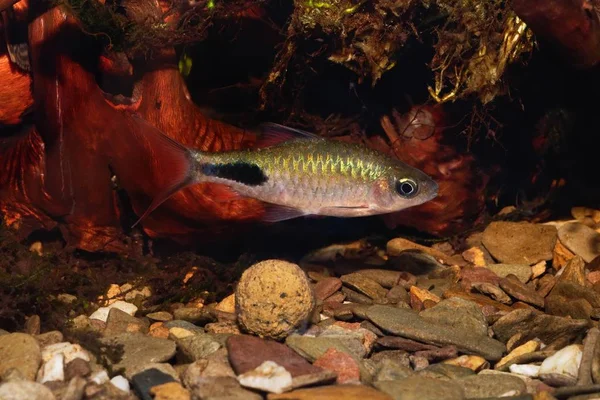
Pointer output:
545, 285
488, 306
594, 277
442, 353
32, 325
571, 299
475, 256
228, 327
398, 294
469, 276
342, 364
493, 291
419, 296
345, 392
337, 297
399, 245
385, 277
161, 316
580, 239
515, 288
326, 287
365, 285
120, 322
248, 352
395, 342
519, 242
170, 391
158, 330
406, 279
561, 255
531, 324
574, 271
77, 367
355, 297
48, 338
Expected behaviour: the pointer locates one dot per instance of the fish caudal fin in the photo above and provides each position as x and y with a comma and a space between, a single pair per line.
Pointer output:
174, 158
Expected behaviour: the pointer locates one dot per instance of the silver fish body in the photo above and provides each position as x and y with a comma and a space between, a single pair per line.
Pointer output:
302, 174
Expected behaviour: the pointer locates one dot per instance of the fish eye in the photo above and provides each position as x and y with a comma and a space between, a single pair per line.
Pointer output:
406, 188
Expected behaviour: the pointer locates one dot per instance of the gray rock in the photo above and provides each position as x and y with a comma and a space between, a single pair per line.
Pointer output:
457, 313
192, 348
365, 285
20, 351
492, 385
200, 316
408, 324
446, 371
165, 368
521, 271
223, 388
581, 240
519, 242
532, 324
178, 323
390, 370
312, 348
397, 356
119, 322
139, 349
21, 390
420, 388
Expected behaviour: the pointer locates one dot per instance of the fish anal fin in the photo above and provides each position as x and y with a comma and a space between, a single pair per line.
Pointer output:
174, 159
277, 213
274, 134
221, 193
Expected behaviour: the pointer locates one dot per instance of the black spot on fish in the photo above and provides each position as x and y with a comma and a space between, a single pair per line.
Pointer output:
246, 173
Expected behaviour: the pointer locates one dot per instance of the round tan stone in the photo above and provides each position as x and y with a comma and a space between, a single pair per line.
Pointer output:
273, 298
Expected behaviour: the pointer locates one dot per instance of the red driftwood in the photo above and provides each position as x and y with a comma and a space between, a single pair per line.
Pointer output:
572, 26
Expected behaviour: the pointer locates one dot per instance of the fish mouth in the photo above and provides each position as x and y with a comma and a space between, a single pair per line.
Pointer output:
431, 190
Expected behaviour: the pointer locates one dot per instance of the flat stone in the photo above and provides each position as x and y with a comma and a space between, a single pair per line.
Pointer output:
182, 324
344, 365
312, 348
222, 388
391, 370
398, 294
323, 377
194, 315
470, 276
531, 324
445, 369
521, 271
346, 392
519, 242
421, 388
573, 272
528, 347
487, 305
120, 322
365, 285
20, 351
571, 299
196, 347
515, 288
326, 287
385, 277
20, 390
161, 316
492, 385
164, 368
493, 291
581, 240
140, 349
400, 246
408, 324
457, 313
397, 356
248, 352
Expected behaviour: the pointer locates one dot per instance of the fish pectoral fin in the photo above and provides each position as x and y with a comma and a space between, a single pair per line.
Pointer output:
276, 213
273, 134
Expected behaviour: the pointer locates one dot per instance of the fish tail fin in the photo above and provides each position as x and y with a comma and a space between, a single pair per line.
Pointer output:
175, 158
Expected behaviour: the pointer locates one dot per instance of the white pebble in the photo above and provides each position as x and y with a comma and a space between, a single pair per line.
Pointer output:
53, 369
530, 370
121, 383
564, 363
100, 377
102, 313
268, 376
69, 350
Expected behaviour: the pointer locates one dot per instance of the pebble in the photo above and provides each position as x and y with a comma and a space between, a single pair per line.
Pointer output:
225, 388
70, 352
515, 288
20, 351
170, 391
312, 348
365, 285
121, 383
227, 304
99, 377
581, 240
183, 328
101, 313
121, 322
21, 390
48, 338
408, 324
458, 313
421, 388
165, 368
274, 298
345, 366
248, 352
493, 291
144, 381
77, 367
32, 325
139, 349
421, 298
161, 316
345, 392
474, 363
384, 277
492, 385
193, 315
53, 369
562, 368
195, 347
269, 377
528, 347
530, 370
327, 287
391, 370
519, 242
521, 271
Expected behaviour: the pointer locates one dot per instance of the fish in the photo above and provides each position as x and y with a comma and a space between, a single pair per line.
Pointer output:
297, 173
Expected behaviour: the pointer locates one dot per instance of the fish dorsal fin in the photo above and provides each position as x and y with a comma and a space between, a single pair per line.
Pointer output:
273, 134
276, 213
